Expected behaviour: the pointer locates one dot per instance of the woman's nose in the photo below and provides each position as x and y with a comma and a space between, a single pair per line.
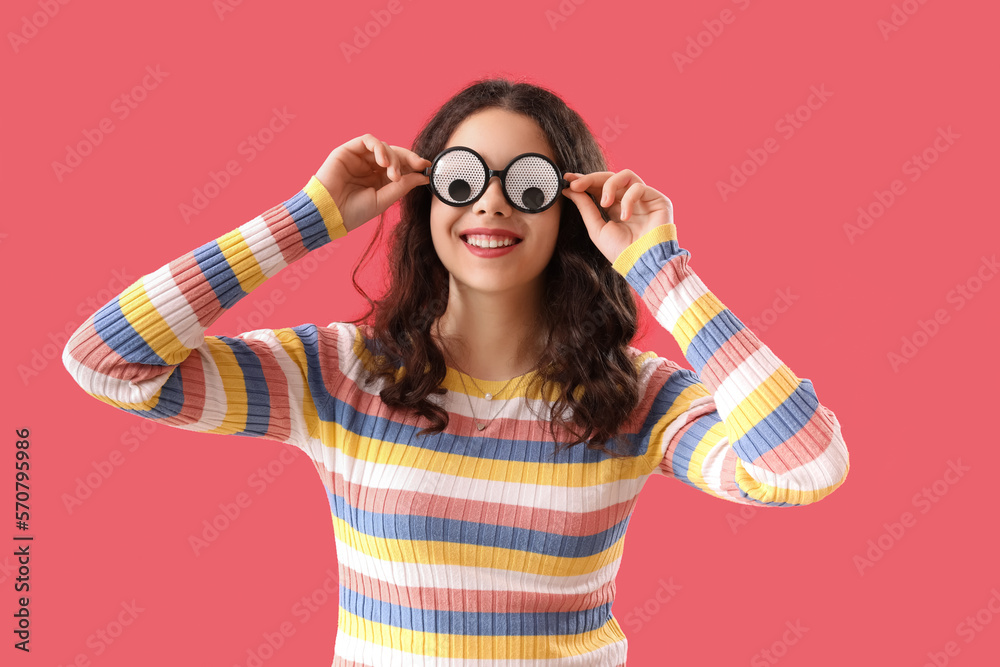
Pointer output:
493, 199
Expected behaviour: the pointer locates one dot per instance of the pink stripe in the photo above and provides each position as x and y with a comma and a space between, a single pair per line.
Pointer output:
333, 379
93, 353
488, 513
279, 426
788, 455
470, 600
667, 279
193, 380
728, 475
657, 379
286, 233
350, 391
668, 455
195, 288
727, 357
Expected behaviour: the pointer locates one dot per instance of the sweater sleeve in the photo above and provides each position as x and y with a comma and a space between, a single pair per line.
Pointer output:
145, 351
740, 426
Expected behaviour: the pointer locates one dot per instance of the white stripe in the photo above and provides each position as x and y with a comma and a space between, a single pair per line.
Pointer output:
825, 470
263, 245
677, 300
377, 475
470, 577
711, 468
362, 651
297, 391
215, 397
122, 391
173, 307
745, 379
454, 402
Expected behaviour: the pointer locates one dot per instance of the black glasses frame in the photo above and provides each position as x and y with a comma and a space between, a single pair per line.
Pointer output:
490, 173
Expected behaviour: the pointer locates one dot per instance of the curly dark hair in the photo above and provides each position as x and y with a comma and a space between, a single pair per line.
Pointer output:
586, 359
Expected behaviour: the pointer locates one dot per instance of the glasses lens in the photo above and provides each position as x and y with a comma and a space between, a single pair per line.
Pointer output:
458, 176
532, 182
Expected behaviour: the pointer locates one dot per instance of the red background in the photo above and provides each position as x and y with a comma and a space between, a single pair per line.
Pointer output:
681, 129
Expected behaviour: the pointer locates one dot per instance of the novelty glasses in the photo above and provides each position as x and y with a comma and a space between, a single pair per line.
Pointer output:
530, 182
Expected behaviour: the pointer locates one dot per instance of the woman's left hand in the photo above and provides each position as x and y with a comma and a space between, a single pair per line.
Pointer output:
633, 207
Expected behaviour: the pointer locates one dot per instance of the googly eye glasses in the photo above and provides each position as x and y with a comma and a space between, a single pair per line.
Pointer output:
530, 182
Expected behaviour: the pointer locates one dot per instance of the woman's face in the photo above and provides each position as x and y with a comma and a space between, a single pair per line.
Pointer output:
498, 136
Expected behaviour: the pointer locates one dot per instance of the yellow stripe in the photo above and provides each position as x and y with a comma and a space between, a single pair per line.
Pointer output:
641, 359
327, 208
707, 443
139, 311
241, 260
296, 350
694, 318
681, 403
481, 647
776, 494
473, 555
759, 404
233, 382
628, 257
574, 475
128, 406
234, 385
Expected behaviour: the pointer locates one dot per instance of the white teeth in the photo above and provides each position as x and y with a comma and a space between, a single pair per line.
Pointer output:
481, 241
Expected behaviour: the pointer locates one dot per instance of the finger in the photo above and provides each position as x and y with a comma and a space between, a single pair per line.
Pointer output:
609, 191
591, 215
632, 195
388, 160
617, 184
592, 181
411, 160
378, 155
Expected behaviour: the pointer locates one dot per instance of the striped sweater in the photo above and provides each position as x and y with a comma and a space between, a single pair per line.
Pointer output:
467, 547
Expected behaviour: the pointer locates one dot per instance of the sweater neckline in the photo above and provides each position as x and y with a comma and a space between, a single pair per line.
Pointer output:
500, 389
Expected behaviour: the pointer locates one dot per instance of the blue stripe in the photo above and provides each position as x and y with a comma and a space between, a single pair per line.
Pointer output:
171, 399
787, 419
650, 263
681, 460
723, 326
119, 334
696, 430
219, 274
331, 409
309, 220
475, 623
392, 526
258, 394
486, 447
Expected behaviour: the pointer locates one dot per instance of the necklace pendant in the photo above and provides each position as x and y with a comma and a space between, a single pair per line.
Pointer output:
489, 397
481, 426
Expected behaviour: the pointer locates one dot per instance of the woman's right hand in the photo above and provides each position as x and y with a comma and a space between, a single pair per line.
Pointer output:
365, 176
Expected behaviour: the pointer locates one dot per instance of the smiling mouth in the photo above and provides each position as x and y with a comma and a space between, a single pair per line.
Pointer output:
481, 242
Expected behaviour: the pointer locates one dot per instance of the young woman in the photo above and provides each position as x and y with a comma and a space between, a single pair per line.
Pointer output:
484, 439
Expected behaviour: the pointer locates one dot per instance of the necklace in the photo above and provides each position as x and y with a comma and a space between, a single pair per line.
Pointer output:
488, 397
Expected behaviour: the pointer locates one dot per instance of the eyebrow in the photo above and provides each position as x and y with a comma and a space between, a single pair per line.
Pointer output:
491, 164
